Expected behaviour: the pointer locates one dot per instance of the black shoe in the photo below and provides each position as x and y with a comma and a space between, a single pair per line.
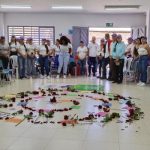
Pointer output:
103, 78
114, 82
89, 75
119, 82
109, 79
98, 77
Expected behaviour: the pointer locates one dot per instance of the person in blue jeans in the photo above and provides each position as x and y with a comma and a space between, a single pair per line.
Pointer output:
43, 59
64, 56
56, 49
71, 65
22, 58
144, 52
82, 54
30, 57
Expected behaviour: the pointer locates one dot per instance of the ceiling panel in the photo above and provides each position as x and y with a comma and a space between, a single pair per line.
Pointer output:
93, 6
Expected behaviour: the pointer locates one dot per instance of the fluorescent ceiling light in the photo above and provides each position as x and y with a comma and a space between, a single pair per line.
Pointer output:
68, 7
16, 6
122, 7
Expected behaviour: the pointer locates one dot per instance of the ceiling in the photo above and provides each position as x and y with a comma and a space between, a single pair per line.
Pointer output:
89, 6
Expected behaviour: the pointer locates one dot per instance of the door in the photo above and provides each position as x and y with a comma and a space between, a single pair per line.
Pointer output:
79, 34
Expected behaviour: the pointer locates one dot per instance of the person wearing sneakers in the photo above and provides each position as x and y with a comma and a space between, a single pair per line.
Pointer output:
144, 52
30, 57
22, 58
64, 56
92, 54
43, 59
118, 54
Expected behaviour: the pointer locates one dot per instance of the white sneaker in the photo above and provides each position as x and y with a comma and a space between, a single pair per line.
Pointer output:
65, 77
139, 83
42, 77
57, 77
47, 77
142, 84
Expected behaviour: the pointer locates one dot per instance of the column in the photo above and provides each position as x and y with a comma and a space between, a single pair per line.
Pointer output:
148, 25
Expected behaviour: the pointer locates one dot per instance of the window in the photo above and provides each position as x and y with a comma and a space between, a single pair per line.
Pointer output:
99, 33
36, 32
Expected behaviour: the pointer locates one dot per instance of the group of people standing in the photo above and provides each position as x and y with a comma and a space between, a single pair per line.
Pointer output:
110, 51
23, 54
114, 52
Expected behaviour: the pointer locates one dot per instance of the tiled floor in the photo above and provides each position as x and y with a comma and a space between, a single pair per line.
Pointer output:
84, 137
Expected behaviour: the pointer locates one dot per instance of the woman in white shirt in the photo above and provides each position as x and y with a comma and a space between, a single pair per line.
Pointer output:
43, 59
22, 58
64, 56
144, 52
31, 57
128, 54
56, 50
13, 54
82, 54
4, 52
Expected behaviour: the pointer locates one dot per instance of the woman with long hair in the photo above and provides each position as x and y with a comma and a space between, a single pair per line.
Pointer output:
64, 56
144, 52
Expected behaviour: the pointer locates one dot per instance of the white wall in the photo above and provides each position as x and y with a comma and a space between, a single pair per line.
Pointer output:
63, 22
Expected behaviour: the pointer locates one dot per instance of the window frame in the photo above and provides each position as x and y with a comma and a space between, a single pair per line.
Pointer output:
53, 27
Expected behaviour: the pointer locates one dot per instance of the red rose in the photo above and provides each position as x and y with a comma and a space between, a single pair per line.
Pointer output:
66, 117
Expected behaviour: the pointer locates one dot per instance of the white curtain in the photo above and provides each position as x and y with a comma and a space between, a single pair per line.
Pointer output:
138, 31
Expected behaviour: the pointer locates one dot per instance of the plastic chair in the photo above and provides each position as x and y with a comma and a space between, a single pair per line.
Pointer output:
128, 72
5, 73
14, 64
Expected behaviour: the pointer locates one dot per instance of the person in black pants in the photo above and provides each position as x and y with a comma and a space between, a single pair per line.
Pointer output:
92, 53
106, 56
118, 54
118, 67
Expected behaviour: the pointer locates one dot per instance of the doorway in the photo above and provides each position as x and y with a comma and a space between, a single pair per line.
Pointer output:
99, 33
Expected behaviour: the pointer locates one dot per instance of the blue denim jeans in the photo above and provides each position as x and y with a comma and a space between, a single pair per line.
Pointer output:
31, 66
63, 62
44, 64
82, 64
143, 63
22, 66
57, 60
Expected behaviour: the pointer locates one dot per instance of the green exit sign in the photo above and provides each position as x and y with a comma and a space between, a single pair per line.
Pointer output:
109, 24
